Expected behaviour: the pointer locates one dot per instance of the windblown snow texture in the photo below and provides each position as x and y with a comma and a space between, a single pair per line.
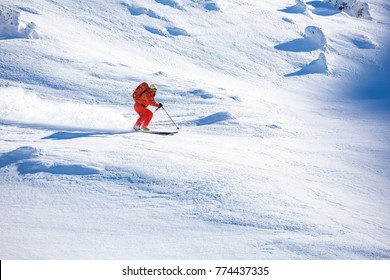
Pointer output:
283, 109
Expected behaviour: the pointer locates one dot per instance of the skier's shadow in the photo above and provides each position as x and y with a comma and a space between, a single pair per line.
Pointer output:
64, 135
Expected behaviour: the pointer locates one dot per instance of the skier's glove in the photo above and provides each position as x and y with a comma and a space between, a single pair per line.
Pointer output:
160, 105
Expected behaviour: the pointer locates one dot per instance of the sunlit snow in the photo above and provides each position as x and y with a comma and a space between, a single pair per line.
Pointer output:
283, 147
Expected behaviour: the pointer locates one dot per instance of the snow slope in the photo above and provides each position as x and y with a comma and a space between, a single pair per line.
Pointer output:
283, 149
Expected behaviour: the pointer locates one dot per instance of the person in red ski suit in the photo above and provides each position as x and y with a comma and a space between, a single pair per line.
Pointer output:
143, 97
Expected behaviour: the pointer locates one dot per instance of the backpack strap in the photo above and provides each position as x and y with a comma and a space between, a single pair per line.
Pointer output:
139, 96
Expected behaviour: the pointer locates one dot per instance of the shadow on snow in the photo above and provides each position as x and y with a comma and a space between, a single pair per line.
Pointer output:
25, 159
64, 135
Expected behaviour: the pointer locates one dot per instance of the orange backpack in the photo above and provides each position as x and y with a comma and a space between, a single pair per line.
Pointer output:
139, 91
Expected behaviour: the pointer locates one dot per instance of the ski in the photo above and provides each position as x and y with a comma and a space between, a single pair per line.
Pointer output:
160, 132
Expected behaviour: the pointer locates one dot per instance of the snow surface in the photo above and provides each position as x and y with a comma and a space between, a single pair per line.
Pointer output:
283, 149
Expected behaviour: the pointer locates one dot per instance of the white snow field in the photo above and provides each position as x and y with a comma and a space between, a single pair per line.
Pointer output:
283, 147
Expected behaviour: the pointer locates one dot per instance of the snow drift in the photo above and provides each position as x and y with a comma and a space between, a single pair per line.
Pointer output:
352, 7
12, 27
277, 156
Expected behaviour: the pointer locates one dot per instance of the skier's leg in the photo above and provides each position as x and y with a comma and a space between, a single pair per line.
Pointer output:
141, 112
148, 115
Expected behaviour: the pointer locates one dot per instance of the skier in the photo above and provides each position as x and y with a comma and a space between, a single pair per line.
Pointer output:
143, 97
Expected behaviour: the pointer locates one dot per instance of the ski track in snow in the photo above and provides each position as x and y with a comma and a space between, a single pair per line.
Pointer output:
272, 160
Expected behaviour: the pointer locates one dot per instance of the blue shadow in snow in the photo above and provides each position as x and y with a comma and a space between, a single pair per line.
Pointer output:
137, 11
63, 135
32, 167
323, 9
201, 93
21, 153
211, 6
170, 3
305, 71
155, 31
372, 88
176, 31
296, 9
10, 71
24, 159
28, 10
214, 118
318, 66
298, 45
364, 43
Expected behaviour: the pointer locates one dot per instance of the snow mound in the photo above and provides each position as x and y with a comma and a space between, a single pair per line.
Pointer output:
211, 6
170, 31
214, 118
138, 11
26, 160
21, 153
299, 8
313, 39
316, 35
318, 66
170, 3
354, 8
11, 27
208, 5
20, 107
322, 9
176, 31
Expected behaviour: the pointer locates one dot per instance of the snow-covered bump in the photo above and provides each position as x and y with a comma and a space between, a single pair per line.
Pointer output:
176, 31
21, 153
138, 11
317, 66
316, 35
201, 93
170, 3
300, 7
215, 118
314, 39
211, 6
353, 8
156, 31
322, 9
11, 27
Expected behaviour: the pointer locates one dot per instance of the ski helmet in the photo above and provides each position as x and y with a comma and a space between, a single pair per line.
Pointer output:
153, 87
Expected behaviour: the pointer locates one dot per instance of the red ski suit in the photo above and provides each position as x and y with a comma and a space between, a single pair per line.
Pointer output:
145, 115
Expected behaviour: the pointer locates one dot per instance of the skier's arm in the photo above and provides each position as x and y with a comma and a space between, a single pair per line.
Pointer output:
152, 101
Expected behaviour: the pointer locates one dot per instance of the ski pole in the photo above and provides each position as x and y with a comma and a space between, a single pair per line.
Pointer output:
169, 117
